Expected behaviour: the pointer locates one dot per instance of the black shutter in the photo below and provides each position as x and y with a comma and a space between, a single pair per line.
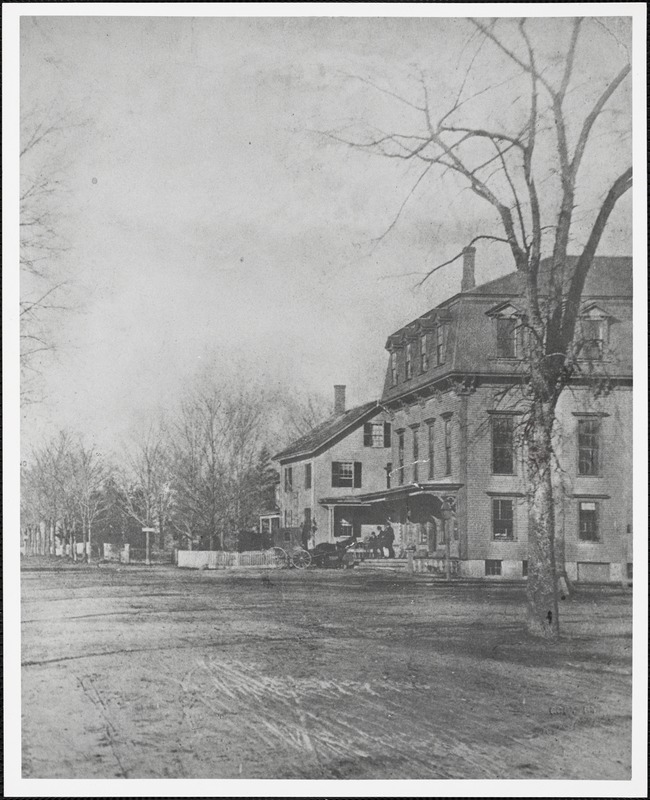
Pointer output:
357, 474
367, 434
386, 434
335, 473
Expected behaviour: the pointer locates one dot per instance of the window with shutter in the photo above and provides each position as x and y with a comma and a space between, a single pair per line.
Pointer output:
374, 435
343, 473
387, 434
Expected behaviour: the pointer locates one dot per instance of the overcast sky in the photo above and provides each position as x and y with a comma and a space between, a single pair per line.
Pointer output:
207, 218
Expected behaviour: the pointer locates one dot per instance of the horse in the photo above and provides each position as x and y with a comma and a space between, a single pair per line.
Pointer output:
323, 554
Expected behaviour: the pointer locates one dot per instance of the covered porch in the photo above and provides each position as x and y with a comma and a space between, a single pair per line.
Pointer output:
422, 515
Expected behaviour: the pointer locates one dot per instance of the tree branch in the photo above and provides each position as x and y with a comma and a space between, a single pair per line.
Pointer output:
618, 188
593, 116
458, 255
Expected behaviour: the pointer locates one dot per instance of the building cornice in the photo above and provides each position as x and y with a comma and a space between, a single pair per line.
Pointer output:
461, 382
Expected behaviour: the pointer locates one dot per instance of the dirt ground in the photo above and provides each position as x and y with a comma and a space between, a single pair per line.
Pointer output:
164, 673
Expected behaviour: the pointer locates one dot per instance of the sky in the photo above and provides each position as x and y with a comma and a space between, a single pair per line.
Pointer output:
208, 218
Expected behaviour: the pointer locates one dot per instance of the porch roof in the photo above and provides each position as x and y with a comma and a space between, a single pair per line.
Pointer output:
396, 493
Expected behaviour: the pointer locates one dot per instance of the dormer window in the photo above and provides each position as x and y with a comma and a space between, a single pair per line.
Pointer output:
393, 368
409, 361
424, 352
592, 333
592, 339
506, 337
507, 321
441, 339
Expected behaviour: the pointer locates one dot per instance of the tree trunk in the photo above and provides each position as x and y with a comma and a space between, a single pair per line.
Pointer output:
89, 553
565, 586
543, 618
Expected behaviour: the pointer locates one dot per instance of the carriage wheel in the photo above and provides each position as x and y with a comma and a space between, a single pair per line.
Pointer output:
301, 559
279, 557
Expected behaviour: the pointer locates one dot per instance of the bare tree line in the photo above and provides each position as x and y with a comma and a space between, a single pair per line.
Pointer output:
198, 476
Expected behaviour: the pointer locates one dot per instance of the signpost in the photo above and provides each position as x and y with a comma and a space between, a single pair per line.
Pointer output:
147, 556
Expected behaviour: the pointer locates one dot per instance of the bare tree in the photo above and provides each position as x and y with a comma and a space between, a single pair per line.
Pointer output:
145, 482
41, 242
546, 120
217, 441
46, 495
199, 463
89, 473
299, 412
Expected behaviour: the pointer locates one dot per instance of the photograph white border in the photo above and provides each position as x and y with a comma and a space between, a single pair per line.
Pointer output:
15, 785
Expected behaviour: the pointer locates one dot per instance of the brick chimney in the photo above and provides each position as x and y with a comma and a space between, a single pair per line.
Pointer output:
339, 399
468, 281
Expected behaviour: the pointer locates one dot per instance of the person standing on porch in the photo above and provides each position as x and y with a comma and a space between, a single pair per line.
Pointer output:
387, 539
375, 544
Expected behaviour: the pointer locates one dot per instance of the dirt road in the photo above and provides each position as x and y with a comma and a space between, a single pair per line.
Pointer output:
162, 673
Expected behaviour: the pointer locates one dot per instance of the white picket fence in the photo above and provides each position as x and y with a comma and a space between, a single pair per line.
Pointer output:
209, 559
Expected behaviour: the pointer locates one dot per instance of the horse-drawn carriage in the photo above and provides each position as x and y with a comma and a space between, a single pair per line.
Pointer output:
331, 555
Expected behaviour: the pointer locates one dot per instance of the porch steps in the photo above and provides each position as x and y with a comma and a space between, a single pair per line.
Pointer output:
434, 567
383, 564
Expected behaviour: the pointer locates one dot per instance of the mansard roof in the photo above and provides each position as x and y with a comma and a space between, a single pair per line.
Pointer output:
469, 343
609, 276
328, 432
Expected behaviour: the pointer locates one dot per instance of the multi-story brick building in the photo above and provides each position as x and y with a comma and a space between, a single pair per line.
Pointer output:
456, 458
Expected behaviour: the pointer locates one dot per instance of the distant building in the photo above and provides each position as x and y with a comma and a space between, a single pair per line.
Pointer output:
455, 465
270, 517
